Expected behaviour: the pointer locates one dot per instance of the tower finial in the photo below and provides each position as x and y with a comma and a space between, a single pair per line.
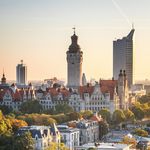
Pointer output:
3, 71
74, 30
132, 25
21, 61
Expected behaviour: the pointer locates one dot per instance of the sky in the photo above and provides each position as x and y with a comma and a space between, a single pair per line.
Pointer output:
39, 31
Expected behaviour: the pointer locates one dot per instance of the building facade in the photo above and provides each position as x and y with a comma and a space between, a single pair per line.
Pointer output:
70, 136
21, 73
74, 63
42, 136
12, 96
123, 57
89, 130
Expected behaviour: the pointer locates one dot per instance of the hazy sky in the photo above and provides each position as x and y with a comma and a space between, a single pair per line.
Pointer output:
38, 31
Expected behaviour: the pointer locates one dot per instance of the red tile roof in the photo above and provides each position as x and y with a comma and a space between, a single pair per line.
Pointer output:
108, 86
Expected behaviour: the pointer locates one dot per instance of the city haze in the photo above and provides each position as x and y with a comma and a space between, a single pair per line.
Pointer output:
39, 33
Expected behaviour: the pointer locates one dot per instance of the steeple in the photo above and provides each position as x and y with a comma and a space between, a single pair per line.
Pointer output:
74, 47
3, 80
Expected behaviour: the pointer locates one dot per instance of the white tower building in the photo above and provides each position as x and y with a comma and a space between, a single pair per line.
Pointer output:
74, 60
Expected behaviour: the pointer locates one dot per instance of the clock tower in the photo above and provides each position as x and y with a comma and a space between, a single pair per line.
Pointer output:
74, 62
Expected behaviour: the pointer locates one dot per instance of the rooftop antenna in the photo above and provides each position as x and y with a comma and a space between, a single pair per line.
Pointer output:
74, 30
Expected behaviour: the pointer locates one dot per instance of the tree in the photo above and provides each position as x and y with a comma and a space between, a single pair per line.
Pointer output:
144, 99
129, 141
86, 114
105, 113
129, 115
5, 109
32, 106
37, 119
73, 116
55, 146
16, 124
6, 142
103, 129
5, 125
138, 112
118, 117
61, 118
23, 142
63, 108
141, 132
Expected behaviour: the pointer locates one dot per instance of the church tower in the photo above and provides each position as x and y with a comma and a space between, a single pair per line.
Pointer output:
74, 61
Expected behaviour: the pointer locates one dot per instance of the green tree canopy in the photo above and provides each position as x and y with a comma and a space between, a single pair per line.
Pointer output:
86, 114
118, 116
74, 116
103, 129
129, 115
138, 111
5, 109
105, 113
141, 132
37, 119
144, 99
63, 108
30, 107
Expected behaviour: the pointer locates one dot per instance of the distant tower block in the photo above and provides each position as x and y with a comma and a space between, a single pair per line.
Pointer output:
74, 62
123, 57
84, 81
21, 73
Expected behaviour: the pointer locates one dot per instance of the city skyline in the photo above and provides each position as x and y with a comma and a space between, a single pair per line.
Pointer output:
39, 33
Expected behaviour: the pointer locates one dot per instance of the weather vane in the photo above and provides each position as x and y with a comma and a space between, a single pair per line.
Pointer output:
74, 29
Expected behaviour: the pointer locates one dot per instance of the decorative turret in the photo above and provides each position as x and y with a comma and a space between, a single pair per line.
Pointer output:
120, 74
3, 80
74, 47
123, 90
84, 82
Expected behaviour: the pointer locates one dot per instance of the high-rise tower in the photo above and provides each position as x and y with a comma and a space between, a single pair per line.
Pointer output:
123, 57
21, 73
74, 61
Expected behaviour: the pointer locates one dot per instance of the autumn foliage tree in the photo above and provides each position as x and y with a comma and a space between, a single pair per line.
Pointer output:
37, 119
16, 124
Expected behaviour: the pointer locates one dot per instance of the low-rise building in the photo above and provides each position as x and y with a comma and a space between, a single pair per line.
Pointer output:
69, 136
42, 135
89, 130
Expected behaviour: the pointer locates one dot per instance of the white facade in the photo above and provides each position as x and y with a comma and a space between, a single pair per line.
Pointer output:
70, 136
90, 98
89, 131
